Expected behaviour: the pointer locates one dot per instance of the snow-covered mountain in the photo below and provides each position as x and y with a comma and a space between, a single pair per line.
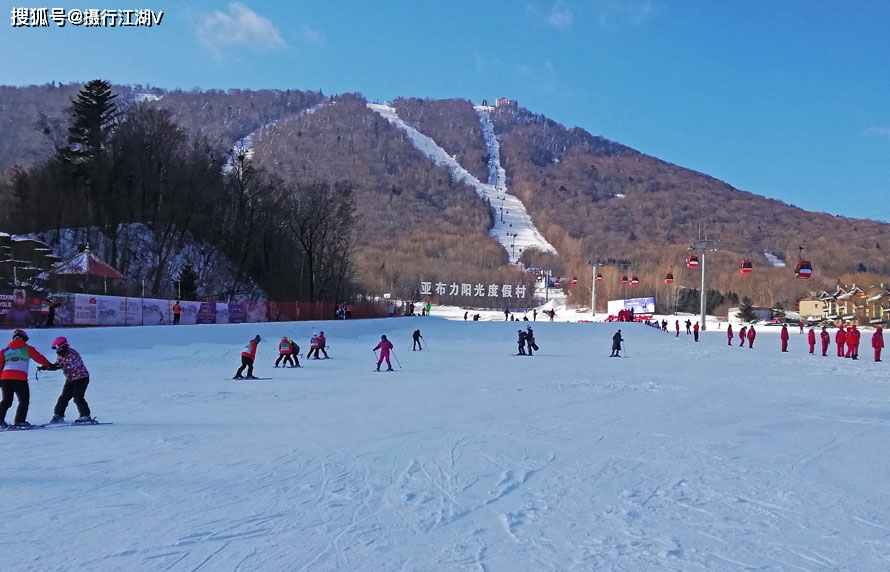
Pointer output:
513, 227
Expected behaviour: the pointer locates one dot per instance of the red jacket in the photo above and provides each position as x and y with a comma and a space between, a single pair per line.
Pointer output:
16, 357
784, 334
384, 346
841, 336
250, 349
751, 334
852, 337
811, 336
877, 339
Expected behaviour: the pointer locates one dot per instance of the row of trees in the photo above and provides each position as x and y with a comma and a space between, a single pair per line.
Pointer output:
129, 165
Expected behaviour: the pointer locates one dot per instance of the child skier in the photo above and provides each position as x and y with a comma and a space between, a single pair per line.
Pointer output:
284, 352
322, 343
313, 346
385, 346
77, 378
14, 361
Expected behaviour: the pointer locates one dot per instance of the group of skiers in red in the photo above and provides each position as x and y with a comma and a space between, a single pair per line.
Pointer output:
847, 340
746, 333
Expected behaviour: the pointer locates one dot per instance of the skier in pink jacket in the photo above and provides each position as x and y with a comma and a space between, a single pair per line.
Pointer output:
385, 346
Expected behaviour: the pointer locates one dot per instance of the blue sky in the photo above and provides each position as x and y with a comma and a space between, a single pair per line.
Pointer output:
789, 100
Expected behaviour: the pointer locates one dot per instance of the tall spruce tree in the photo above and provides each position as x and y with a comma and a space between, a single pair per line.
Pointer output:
93, 117
93, 114
746, 310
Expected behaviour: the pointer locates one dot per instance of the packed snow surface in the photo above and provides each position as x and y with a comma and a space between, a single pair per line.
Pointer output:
679, 456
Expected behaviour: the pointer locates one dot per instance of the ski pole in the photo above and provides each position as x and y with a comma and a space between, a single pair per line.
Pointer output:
393, 352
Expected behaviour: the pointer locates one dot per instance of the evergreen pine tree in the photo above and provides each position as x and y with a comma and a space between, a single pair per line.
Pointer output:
93, 115
746, 310
188, 283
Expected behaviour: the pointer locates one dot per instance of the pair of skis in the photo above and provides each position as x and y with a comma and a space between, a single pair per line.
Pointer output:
52, 425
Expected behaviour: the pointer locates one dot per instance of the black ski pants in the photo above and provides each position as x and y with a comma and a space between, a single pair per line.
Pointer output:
286, 358
19, 389
76, 388
247, 362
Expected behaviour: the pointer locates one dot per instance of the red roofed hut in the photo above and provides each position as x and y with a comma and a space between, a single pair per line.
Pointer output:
83, 272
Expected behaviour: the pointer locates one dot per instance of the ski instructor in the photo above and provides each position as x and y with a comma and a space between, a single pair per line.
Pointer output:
248, 355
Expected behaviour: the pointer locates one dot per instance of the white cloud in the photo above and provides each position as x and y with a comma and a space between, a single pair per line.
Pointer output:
240, 27
312, 36
879, 131
560, 16
610, 12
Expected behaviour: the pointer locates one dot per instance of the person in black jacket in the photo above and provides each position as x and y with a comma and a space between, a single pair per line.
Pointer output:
616, 344
417, 337
530, 343
522, 340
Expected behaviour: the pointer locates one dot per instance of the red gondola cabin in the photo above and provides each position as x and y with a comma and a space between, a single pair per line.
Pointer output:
599, 277
574, 281
624, 280
692, 261
747, 267
669, 278
634, 281
804, 269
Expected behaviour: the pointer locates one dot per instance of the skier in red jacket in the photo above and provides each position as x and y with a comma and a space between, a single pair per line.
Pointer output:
852, 342
826, 340
811, 339
248, 355
729, 335
742, 338
784, 337
840, 338
751, 335
877, 342
385, 346
14, 361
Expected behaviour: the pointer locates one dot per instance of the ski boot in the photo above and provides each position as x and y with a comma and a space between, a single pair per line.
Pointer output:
56, 419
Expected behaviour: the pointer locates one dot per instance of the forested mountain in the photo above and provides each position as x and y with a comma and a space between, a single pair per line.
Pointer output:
331, 200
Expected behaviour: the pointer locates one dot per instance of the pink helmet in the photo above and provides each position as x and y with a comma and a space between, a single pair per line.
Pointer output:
59, 342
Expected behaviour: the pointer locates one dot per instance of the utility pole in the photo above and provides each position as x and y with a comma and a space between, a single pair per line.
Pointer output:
703, 246
593, 293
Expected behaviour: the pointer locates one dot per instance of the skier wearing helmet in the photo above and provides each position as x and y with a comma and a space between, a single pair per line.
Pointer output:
322, 343
14, 362
385, 346
313, 346
248, 355
77, 378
